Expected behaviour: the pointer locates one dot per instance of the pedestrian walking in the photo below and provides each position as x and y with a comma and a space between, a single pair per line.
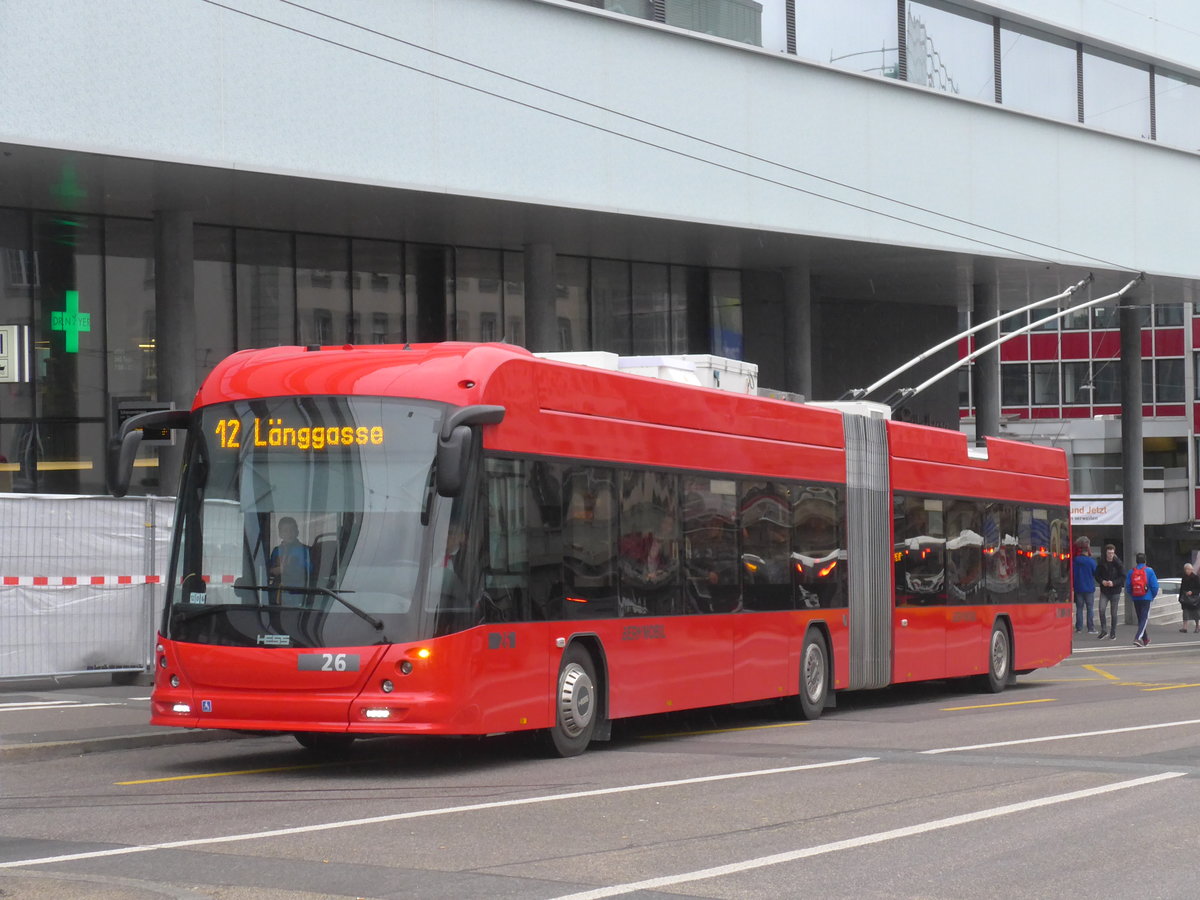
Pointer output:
1110, 575
1083, 576
1189, 597
1142, 586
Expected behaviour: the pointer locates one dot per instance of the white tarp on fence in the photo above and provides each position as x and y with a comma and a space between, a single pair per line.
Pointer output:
80, 582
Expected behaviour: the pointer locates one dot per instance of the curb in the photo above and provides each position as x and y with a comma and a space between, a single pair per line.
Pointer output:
60, 749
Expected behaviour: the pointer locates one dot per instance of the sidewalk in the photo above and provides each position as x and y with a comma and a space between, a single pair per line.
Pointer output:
49, 718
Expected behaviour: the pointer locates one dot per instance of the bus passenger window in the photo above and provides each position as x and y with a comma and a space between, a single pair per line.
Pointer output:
649, 545
818, 548
589, 543
766, 546
710, 544
919, 551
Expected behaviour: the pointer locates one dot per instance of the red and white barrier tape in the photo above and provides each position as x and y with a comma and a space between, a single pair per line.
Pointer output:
95, 580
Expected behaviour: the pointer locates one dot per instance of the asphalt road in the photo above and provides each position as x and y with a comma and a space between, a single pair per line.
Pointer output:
1079, 782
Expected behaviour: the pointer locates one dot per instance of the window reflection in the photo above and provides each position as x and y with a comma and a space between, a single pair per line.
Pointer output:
571, 304
651, 309
1014, 384
322, 289
1038, 72
377, 291
1076, 382
1168, 380
1106, 382
726, 288
1045, 383
1176, 110
1116, 95
950, 50
265, 279
611, 308
477, 281
514, 297
130, 325
213, 280
858, 36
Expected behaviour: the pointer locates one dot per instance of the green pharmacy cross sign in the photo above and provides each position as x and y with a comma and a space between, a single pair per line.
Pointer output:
71, 322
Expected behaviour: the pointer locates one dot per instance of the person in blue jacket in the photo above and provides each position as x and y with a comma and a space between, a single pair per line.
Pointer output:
1141, 584
1083, 577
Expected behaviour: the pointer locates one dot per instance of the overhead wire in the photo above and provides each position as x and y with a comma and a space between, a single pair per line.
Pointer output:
648, 143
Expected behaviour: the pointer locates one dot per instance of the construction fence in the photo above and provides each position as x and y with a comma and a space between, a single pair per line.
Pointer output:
81, 582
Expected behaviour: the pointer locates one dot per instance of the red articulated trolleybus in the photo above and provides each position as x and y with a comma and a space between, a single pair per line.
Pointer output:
468, 539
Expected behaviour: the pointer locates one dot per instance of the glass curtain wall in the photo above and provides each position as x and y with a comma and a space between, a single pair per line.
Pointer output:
129, 275
19, 276
213, 287
514, 297
950, 49
858, 36
64, 447
261, 289
377, 292
1177, 110
479, 304
266, 289
1038, 73
1116, 94
323, 290
571, 304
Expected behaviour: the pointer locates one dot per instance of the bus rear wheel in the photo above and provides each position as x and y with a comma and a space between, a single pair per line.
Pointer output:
574, 703
999, 659
814, 679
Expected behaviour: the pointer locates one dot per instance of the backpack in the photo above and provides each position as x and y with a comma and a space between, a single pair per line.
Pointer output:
1137, 582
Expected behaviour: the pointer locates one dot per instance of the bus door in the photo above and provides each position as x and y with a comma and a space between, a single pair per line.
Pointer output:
919, 617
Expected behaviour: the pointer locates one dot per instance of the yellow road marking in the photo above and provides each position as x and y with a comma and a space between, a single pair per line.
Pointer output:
651, 737
1147, 684
223, 774
1170, 687
993, 705
1100, 671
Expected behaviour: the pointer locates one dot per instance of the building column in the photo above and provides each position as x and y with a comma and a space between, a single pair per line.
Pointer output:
1132, 459
985, 371
797, 331
541, 307
175, 326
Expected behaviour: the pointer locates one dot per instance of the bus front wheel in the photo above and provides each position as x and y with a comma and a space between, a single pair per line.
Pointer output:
574, 703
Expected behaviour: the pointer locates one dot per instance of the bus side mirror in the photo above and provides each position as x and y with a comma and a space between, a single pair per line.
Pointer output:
455, 442
123, 446
454, 455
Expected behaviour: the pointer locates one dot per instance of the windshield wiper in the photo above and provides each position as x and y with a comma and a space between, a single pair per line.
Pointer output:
291, 589
192, 611
361, 613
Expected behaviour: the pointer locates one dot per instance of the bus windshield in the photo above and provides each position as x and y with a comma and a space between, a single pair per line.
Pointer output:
313, 522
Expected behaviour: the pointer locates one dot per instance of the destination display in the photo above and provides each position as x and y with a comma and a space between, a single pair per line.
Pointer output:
233, 434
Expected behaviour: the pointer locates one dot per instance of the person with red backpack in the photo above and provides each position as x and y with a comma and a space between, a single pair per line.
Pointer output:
1141, 584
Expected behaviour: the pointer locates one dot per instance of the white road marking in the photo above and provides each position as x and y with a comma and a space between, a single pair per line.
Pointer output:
35, 705
420, 814
1062, 737
775, 859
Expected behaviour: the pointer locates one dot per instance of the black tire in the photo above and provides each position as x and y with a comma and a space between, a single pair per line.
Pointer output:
999, 661
576, 704
325, 743
814, 679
